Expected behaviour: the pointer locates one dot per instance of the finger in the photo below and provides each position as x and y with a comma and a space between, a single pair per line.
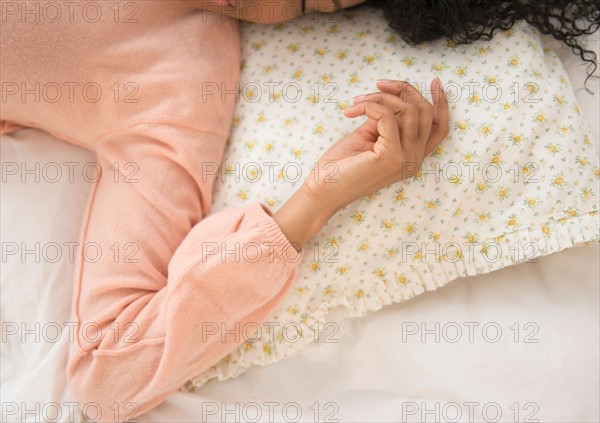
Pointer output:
406, 92
387, 127
405, 114
441, 116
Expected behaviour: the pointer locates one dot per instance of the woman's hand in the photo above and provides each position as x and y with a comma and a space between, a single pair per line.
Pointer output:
401, 130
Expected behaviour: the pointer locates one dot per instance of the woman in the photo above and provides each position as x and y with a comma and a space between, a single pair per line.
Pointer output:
128, 83
139, 336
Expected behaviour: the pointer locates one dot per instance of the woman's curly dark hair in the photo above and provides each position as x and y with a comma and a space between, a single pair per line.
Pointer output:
466, 21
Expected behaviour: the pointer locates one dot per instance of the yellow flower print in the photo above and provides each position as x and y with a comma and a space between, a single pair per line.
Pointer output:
362, 34
502, 193
392, 39
516, 139
509, 33
507, 106
248, 346
319, 129
497, 158
514, 62
410, 228
293, 47
342, 270
586, 140
540, 118
597, 172
326, 77
486, 129
571, 212
297, 152
566, 129
321, 51
457, 212
267, 349
354, 79
369, 60
301, 290
462, 125
359, 293
258, 45
335, 240
276, 96
560, 99
471, 238
269, 69
439, 152
484, 216
236, 121
461, 71
379, 272
401, 279
553, 148
242, 195
253, 174
481, 187
250, 145
559, 181
315, 266
329, 291
434, 236
370, 197
409, 61
363, 246
432, 204
391, 252
342, 105
450, 44
271, 202
250, 93
582, 161
546, 230
388, 224
438, 67
342, 54
531, 87
512, 221
482, 51
455, 180
358, 217
490, 79
261, 118
400, 196
292, 310
313, 99
531, 202
475, 99
288, 122
306, 29
587, 193
469, 157
333, 30
298, 74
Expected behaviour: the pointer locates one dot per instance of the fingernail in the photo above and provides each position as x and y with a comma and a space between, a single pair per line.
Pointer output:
359, 98
384, 80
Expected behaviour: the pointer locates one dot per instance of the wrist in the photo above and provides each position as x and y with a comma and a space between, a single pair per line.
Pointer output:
302, 216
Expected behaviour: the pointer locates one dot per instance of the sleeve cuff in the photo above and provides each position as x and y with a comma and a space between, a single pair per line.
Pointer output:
262, 217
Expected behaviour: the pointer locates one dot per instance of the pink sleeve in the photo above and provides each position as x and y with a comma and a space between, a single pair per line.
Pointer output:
165, 277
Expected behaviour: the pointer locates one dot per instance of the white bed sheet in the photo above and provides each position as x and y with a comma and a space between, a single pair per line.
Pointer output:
371, 374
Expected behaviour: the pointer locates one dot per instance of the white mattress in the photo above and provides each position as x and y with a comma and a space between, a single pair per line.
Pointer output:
378, 370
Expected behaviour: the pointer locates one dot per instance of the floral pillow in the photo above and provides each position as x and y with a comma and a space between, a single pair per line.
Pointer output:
516, 179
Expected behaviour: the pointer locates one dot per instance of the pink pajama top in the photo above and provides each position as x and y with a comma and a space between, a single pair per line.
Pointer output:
128, 81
